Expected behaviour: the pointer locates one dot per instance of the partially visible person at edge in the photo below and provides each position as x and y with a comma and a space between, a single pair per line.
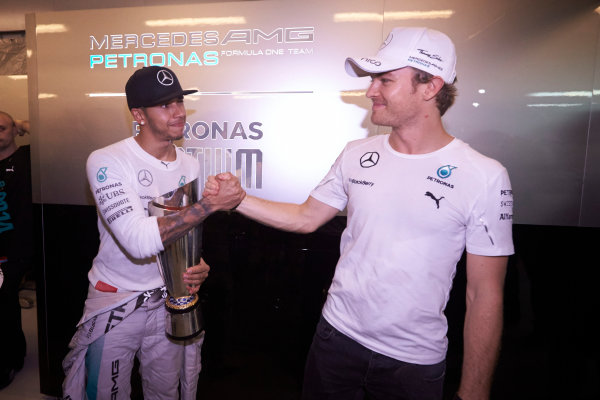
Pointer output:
416, 199
124, 314
16, 237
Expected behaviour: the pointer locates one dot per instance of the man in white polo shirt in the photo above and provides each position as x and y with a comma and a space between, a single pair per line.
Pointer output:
416, 198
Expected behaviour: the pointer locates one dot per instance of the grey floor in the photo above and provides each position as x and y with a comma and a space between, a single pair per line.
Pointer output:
26, 385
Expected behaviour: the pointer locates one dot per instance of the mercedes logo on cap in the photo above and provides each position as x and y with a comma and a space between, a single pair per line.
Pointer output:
164, 77
369, 159
145, 177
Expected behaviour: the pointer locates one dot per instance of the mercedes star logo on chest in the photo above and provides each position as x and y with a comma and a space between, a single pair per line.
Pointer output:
369, 159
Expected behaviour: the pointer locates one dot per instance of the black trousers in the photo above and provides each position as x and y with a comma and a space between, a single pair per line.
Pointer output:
12, 339
338, 368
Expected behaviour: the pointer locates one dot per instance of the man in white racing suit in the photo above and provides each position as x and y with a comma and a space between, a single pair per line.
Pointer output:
124, 314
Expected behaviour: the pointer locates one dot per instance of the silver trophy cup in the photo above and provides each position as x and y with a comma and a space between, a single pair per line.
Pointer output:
184, 316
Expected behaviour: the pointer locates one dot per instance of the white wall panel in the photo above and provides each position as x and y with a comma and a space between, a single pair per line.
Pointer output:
274, 67
526, 74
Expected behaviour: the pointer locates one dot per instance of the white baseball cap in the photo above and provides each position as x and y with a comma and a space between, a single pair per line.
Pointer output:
421, 48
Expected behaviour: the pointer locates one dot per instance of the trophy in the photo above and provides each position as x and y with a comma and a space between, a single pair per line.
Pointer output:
184, 316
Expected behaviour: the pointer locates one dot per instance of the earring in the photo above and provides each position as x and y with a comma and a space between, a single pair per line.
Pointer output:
142, 123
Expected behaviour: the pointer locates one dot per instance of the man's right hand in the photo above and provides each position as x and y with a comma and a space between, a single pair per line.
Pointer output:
223, 192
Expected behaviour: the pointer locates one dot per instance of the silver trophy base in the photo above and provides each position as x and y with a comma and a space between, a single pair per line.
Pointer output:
183, 324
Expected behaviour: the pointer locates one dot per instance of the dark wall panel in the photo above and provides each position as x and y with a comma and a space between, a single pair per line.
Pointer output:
263, 297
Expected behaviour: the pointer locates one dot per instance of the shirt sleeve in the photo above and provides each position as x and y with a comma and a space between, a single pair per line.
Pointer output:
120, 207
331, 190
489, 232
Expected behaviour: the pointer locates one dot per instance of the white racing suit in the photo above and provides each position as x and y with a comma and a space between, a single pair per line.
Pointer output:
135, 321
124, 315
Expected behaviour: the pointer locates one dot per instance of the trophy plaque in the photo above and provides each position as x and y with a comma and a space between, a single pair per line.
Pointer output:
184, 315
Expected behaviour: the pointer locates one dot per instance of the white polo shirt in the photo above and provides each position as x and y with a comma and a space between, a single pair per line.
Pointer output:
123, 179
409, 220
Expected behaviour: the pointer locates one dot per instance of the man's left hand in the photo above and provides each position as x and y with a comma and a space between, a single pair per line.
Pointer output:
194, 276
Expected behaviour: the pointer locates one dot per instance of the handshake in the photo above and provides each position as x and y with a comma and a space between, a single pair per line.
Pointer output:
223, 192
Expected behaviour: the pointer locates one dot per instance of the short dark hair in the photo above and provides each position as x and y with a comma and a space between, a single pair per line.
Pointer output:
444, 98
